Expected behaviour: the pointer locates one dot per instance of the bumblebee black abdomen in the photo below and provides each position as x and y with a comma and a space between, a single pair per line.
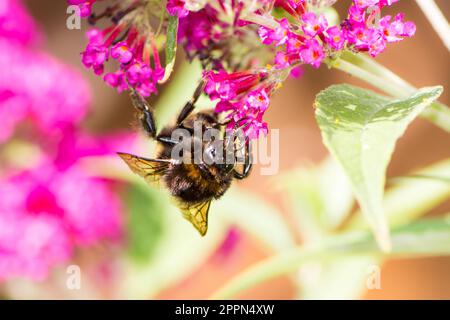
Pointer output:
190, 184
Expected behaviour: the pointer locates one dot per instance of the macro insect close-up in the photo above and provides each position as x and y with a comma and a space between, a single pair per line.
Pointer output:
224, 149
194, 181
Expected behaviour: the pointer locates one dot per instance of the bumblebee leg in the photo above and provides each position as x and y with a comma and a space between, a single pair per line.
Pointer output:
185, 112
247, 165
224, 123
145, 113
245, 173
190, 105
166, 140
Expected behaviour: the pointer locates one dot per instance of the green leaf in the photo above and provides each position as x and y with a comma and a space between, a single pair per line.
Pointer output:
145, 222
360, 129
171, 46
403, 203
368, 69
407, 201
425, 238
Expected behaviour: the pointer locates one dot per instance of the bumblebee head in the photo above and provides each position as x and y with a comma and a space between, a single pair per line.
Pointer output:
218, 155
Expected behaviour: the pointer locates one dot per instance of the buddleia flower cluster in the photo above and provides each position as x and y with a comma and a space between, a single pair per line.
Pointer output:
247, 47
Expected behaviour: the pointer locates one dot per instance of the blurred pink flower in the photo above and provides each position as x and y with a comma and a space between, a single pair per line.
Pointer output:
54, 205
44, 213
15, 22
76, 145
229, 243
36, 87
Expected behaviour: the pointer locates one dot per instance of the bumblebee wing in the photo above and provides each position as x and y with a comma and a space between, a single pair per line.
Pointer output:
197, 214
149, 169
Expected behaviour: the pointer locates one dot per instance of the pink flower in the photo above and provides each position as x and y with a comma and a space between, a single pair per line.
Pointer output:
313, 25
279, 36
52, 206
376, 43
258, 100
121, 52
244, 97
50, 209
387, 2
227, 86
356, 15
76, 145
363, 4
196, 31
296, 72
294, 44
282, 60
84, 5
293, 7
176, 8
361, 33
34, 86
253, 126
29, 245
44, 213
116, 80
335, 38
127, 40
229, 243
139, 75
96, 53
312, 53
396, 30
16, 24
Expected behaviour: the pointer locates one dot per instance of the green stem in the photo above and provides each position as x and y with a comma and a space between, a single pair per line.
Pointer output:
368, 70
261, 20
437, 20
411, 241
368, 63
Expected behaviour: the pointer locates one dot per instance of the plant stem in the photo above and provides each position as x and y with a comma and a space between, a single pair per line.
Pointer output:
410, 241
368, 70
367, 63
437, 20
261, 20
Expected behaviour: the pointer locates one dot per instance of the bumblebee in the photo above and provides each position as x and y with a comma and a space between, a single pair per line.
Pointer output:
193, 184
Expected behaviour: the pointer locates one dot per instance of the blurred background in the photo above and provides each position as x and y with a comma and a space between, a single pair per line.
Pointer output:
422, 60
